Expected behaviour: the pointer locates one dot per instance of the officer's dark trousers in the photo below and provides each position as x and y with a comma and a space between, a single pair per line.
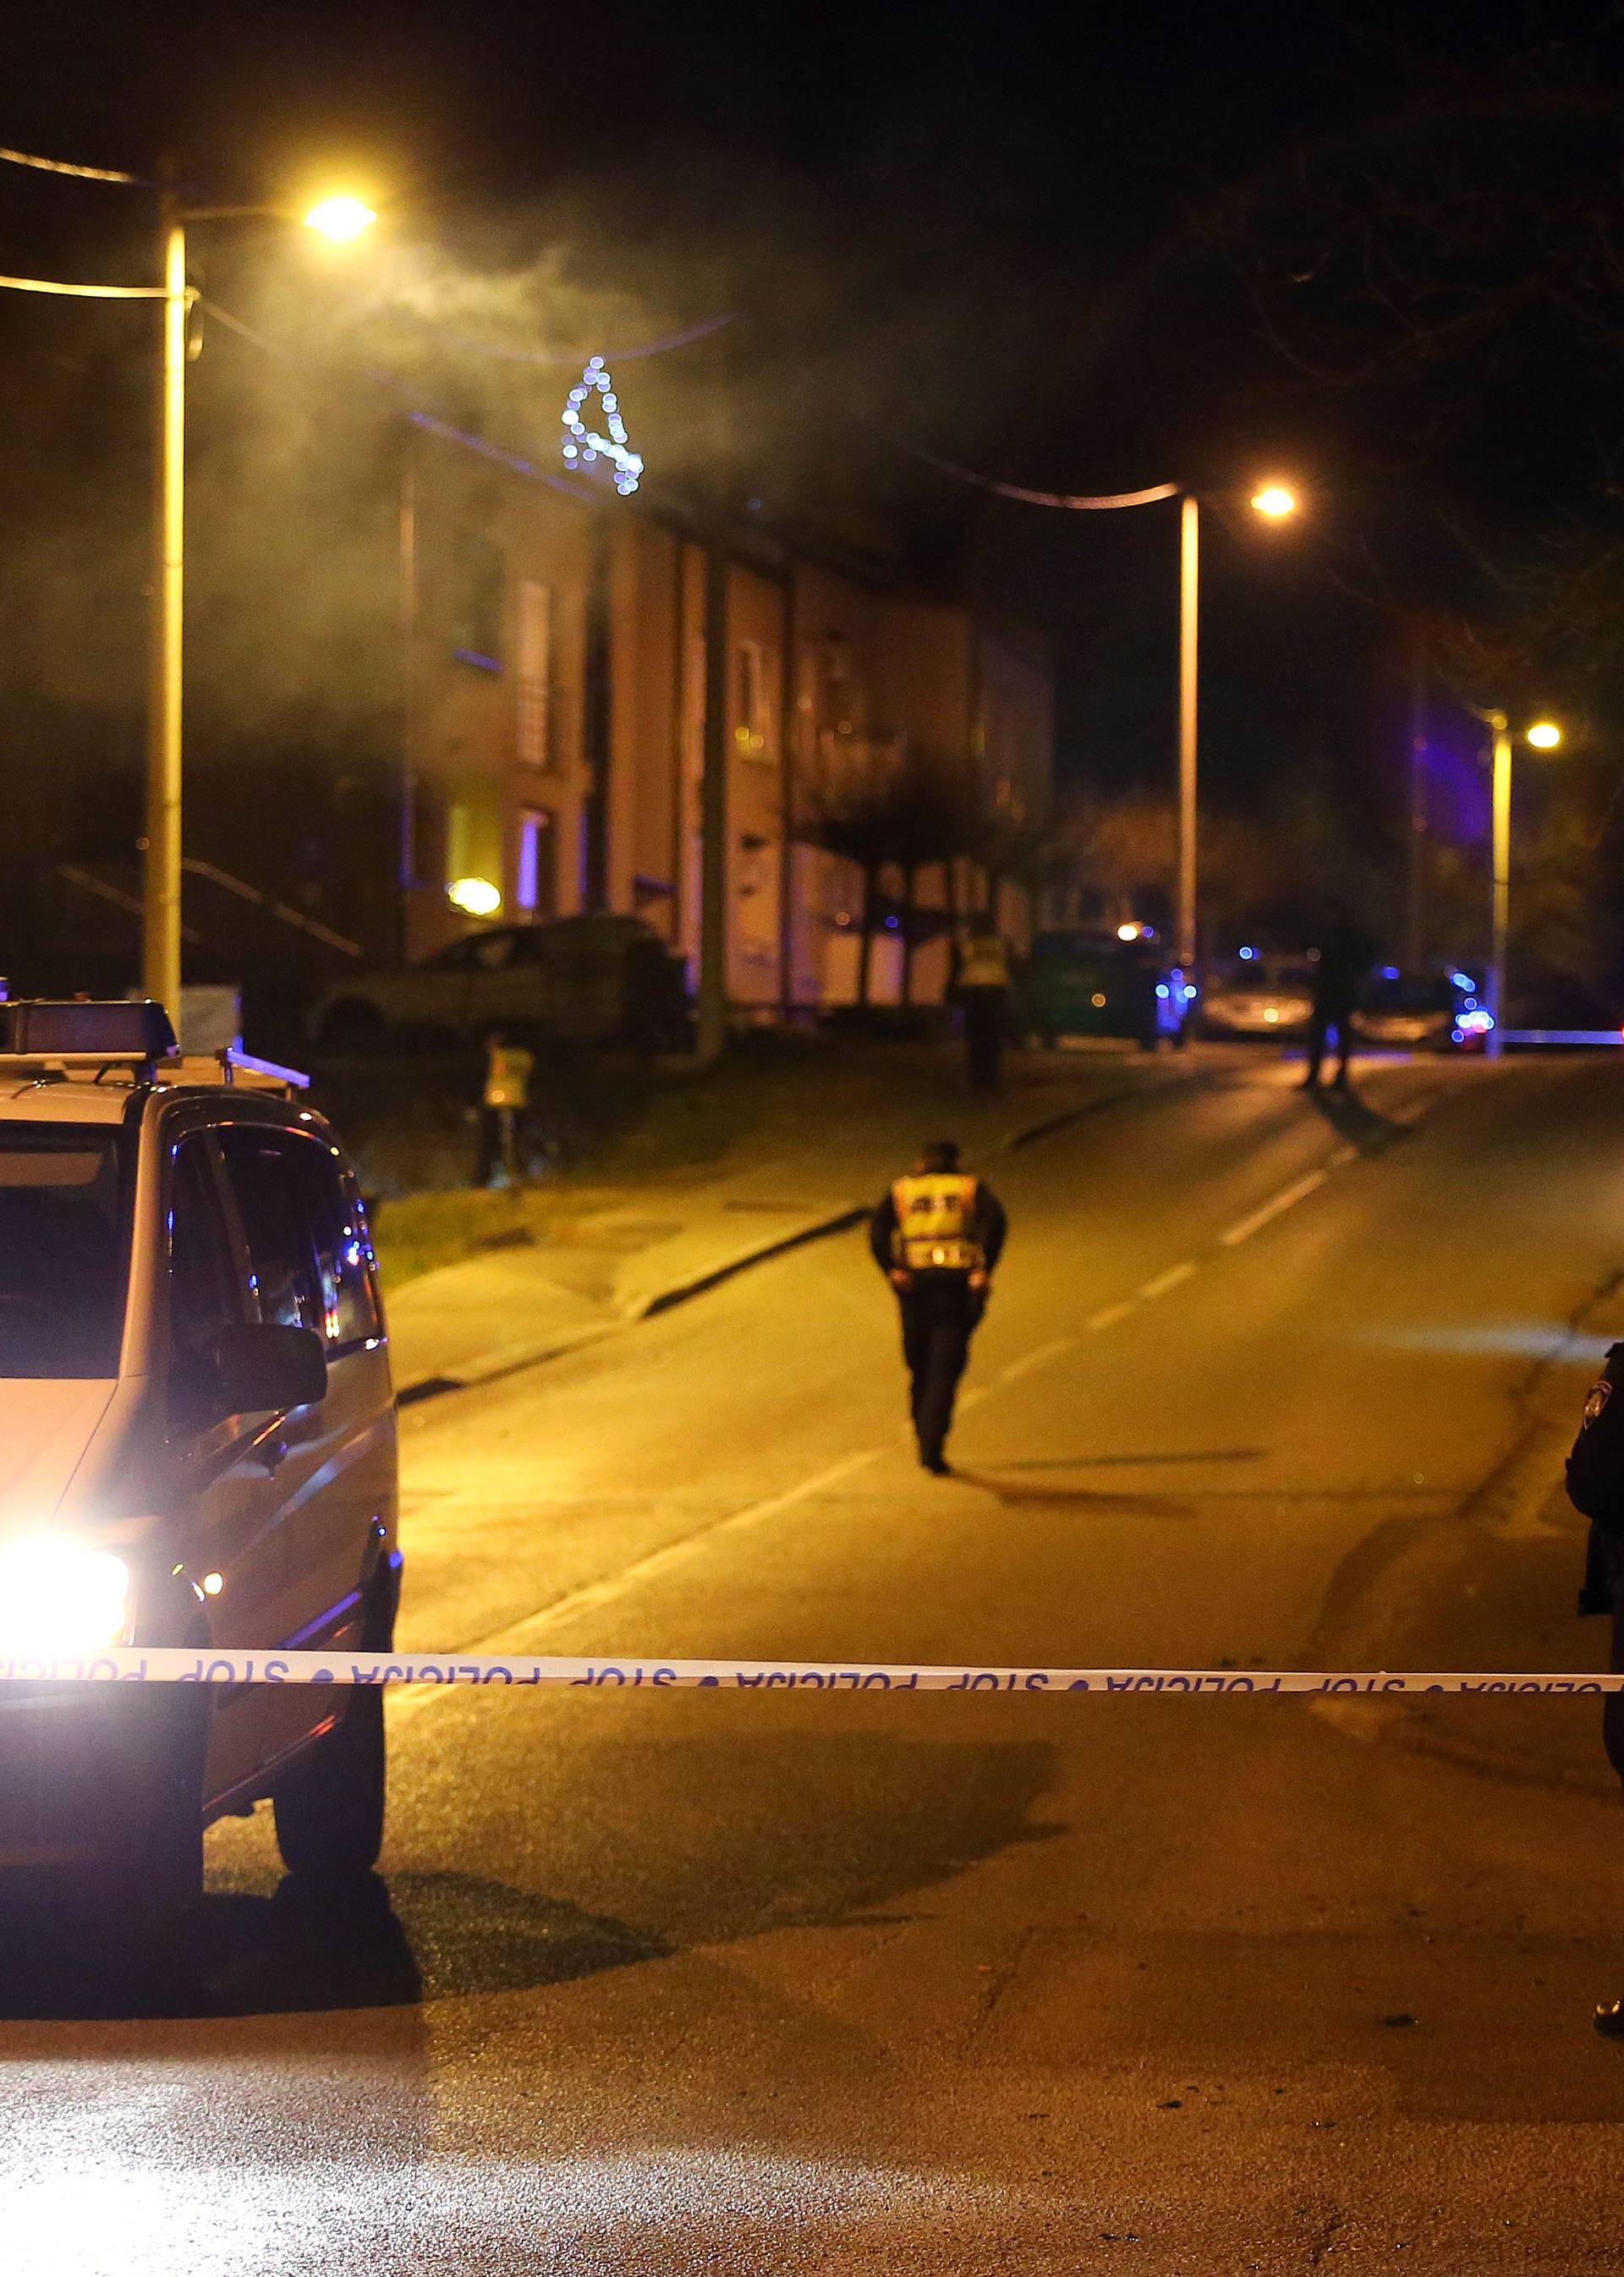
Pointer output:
940, 1314
985, 1015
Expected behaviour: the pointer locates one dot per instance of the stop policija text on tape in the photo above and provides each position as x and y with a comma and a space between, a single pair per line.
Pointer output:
164, 1664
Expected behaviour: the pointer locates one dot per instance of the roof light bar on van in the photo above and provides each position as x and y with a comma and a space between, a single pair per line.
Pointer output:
80, 1029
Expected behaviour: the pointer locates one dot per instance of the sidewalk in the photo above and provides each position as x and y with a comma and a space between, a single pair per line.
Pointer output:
664, 1240
1492, 1588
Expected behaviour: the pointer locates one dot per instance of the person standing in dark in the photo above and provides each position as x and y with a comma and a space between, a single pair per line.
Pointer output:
1596, 1490
981, 988
1346, 955
937, 1238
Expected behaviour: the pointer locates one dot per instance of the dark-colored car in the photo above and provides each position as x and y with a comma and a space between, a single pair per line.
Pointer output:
1079, 982
597, 978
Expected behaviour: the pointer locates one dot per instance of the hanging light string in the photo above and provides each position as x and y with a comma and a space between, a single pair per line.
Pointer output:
89, 291
1065, 501
79, 174
583, 446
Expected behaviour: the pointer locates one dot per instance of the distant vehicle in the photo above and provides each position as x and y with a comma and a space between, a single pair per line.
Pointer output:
1087, 983
197, 1449
1423, 1011
1259, 995
599, 979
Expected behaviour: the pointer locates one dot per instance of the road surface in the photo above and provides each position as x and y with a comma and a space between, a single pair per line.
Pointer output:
787, 1982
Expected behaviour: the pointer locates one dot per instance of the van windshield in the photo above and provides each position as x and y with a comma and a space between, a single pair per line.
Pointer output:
65, 1237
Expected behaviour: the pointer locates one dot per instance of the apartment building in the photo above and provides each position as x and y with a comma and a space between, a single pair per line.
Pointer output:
554, 707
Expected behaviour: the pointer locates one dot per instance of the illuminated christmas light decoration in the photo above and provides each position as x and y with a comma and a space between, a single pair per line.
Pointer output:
582, 446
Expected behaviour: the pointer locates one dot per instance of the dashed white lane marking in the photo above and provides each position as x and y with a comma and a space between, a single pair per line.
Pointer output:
1246, 1227
1343, 1156
1036, 1359
614, 1585
1170, 1279
1109, 1316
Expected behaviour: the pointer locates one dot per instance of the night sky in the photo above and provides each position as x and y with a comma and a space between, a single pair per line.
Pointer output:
1030, 240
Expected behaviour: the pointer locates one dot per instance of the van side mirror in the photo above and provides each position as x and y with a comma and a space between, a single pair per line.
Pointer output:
263, 1364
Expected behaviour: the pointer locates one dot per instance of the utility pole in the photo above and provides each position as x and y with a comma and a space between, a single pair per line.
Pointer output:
406, 789
1189, 604
1499, 864
161, 873
714, 867
713, 806
1415, 870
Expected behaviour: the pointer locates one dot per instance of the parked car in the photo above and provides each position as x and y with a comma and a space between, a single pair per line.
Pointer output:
197, 1449
1082, 983
1425, 1011
595, 980
1259, 996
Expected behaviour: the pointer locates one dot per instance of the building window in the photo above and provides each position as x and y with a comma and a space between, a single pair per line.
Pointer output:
750, 701
535, 674
538, 865
476, 601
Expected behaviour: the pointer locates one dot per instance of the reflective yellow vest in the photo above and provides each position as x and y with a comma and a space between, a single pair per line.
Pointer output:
935, 1213
507, 1076
984, 961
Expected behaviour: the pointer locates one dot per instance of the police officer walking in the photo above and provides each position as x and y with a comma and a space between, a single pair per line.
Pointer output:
937, 1236
981, 990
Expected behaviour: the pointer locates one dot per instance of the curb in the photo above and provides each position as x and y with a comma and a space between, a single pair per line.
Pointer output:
664, 1299
493, 1366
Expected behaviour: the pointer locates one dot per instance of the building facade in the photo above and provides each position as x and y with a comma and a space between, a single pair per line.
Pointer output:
555, 671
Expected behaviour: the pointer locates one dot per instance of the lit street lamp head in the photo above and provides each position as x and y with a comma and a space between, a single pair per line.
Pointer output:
1544, 735
341, 219
1274, 501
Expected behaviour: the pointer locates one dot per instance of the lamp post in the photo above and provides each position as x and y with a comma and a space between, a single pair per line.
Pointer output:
1275, 502
1543, 735
338, 219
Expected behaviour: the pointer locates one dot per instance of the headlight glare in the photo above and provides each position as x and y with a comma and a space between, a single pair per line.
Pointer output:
57, 1598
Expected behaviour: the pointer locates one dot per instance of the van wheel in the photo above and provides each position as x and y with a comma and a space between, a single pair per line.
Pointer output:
329, 1806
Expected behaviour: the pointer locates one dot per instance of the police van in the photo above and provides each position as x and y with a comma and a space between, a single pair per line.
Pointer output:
197, 1449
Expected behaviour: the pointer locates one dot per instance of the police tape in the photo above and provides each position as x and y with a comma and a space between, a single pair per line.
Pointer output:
166, 1664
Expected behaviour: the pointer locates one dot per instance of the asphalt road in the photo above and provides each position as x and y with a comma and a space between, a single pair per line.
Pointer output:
811, 1982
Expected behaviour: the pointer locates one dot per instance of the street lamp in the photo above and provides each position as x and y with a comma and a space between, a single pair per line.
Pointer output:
1543, 735
1275, 502
341, 219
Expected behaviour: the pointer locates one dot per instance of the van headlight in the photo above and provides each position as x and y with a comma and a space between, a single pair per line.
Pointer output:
57, 1598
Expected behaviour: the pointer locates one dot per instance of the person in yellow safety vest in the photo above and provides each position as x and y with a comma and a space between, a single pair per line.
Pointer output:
937, 1236
981, 990
507, 1095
